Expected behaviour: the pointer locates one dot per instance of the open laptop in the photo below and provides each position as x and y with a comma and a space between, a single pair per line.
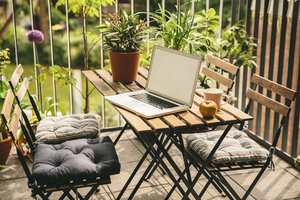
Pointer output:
170, 85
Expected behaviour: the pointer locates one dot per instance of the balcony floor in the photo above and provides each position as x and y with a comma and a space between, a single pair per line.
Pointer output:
283, 183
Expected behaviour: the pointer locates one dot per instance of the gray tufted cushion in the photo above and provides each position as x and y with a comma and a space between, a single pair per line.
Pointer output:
236, 147
60, 129
75, 160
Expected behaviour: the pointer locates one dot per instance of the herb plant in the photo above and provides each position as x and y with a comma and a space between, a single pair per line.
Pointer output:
122, 32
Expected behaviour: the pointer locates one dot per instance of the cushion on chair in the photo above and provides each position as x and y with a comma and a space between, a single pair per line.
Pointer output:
236, 147
59, 129
75, 160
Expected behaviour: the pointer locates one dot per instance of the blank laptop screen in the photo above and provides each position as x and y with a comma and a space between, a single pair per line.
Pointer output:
173, 74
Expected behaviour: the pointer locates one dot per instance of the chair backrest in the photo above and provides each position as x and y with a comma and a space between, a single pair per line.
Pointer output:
219, 77
17, 74
12, 125
257, 96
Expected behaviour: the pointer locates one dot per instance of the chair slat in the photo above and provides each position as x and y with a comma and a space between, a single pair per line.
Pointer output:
15, 77
268, 102
22, 91
222, 64
217, 77
108, 79
13, 126
135, 122
274, 87
8, 102
98, 83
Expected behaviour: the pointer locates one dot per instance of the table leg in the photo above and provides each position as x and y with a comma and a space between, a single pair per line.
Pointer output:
133, 173
121, 133
207, 161
175, 167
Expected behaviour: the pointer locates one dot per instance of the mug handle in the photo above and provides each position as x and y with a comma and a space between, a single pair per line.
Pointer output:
224, 102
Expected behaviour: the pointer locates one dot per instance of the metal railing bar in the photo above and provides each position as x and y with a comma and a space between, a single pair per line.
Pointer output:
15, 33
34, 53
207, 5
163, 5
193, 7
148, 23
221, 18
69, 55
116, 6
241, 10
273, 5
52, 54
295, 7
102, 66
132, 6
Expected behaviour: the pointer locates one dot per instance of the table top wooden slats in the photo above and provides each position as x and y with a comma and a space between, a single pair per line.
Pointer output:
98, 83
221, 115
191, 119
102, 80
157, 124
143, 72
174, 122
135, 121
108, 79
209, 121
132, 86
141, 81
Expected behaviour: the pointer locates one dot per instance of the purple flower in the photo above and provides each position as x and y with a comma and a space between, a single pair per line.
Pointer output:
35, 36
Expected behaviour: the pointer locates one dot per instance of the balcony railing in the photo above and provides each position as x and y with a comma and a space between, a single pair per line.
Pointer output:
275, 24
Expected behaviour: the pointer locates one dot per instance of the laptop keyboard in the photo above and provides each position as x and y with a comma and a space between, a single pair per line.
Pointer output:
153, 100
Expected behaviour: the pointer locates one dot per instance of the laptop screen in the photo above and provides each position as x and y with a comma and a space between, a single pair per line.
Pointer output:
173, 74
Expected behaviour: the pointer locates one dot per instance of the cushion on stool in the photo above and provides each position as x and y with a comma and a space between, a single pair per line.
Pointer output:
75, 160
59, 129
236, 147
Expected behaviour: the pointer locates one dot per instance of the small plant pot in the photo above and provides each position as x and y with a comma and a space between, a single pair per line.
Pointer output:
5, 147
124, 66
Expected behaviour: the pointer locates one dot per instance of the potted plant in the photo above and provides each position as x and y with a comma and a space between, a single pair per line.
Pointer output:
123, 36
5, 140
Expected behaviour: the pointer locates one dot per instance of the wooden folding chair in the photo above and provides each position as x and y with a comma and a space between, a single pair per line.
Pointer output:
66, 127
239, 158
61, 167
219, 76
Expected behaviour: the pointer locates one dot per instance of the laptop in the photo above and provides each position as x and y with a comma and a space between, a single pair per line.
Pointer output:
170, 85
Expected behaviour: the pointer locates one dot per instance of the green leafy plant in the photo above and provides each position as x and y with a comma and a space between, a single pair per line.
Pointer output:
122, 32
183, 31
236, 45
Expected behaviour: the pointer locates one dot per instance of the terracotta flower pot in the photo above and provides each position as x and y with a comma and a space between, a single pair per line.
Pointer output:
5, 146
124, 66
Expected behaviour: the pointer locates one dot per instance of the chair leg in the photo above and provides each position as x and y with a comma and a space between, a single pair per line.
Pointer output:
66, 193
92, 191
133, 174
255, 180
227, 185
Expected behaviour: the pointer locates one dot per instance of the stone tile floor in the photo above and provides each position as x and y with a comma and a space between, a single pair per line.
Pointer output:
283, 183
